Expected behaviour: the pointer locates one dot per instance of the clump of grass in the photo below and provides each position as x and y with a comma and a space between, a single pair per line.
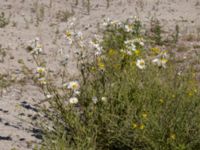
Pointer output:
63, 16
3, 20
156, 30
176, 34
131, 95
2, 53
4, 81
107, 3
39, 10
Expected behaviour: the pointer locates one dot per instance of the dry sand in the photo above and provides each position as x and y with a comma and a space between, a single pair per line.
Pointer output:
40, 18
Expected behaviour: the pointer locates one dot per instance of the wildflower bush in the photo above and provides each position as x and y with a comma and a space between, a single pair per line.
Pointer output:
131, 95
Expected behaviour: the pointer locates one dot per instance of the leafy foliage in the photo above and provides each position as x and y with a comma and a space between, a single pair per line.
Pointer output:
123, 106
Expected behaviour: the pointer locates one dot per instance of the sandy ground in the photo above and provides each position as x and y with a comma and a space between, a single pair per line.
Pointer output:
43, 18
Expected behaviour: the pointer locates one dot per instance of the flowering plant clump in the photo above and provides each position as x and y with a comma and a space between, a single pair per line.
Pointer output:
130, 95
34, 46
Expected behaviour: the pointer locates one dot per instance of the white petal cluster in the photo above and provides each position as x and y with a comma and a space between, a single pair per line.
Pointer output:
161, 60
35, 46
73, 100
130, 45
73, 85
140, 63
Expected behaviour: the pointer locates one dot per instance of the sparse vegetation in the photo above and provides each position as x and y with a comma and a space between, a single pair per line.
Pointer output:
2, 54
116, 84
176, 35
5, 81
130, 96
63, 16
156, 32
3, 20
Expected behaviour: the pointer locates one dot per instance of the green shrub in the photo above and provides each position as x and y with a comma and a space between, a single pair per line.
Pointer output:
132, 96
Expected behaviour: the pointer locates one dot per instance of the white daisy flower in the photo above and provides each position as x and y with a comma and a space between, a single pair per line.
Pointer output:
49, 96
130, 44
156, 61
73, 85
104, 99
73, 100
160, 62
40, 70
128, 28
141, 43
140, 63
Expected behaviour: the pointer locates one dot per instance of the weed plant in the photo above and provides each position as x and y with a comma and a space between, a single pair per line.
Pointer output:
130, 96
3, 20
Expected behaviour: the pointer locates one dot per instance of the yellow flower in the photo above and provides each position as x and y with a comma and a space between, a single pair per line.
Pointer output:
40, 70
161, 101
134, 125
137, 52
68, 34
141, 126
144, 115
111, 52
173, 136
155, 50
100, 64
190, 93
164, 60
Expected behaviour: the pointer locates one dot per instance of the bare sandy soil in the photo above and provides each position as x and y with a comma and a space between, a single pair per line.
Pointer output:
47, 19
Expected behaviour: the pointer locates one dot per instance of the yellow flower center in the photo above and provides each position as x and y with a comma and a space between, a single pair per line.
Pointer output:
137, 52
134, 125
144, 115
141, 126
68, 33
